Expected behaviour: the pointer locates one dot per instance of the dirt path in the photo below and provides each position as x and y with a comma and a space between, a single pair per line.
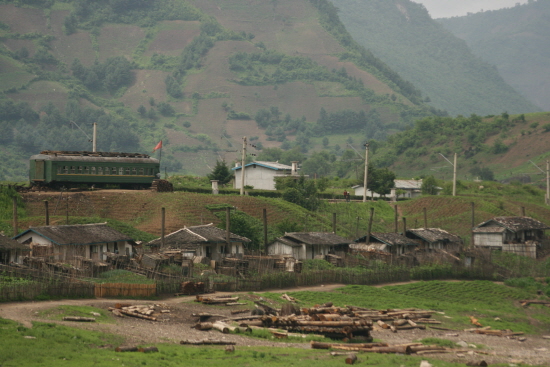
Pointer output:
176, 325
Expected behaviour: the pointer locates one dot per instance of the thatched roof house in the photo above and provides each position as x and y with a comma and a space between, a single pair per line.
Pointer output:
394, 243
308, 245
436, 238
519, 235
204, 240
64, 243
12, 251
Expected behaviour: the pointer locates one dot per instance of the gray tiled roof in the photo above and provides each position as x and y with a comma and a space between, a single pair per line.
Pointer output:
192, 236
434, 235
7, 243
515, 224
79, 234
317, 238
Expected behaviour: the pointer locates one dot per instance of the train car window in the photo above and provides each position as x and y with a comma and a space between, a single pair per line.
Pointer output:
93, 170
65, 169
99, 170
86, 170
134, 171
127, 171
113, 170
72, 169
58, 170
80, 169
141, 171
121, 171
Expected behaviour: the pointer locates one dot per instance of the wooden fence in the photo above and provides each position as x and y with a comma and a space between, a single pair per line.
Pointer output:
125, 290
36, 289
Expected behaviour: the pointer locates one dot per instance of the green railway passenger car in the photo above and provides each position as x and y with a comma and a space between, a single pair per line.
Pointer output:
69, 169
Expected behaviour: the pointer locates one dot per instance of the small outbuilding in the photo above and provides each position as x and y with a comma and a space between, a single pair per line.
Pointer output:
393, 243
12, 251
309, 245
204, 240
66, 243
520, 235
261, 175
436, 238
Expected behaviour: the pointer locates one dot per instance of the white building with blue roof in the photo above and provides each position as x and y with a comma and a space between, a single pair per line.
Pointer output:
261, 175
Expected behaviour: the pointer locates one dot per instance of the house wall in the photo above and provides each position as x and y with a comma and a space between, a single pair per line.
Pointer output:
528, 249
260, 177
488, 239
279, 248
220, 250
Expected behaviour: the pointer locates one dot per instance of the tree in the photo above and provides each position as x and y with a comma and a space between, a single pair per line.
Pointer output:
142, 110
221, 173
299, 191
429, 186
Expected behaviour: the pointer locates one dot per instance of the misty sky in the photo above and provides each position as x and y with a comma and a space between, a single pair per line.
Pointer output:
450, 8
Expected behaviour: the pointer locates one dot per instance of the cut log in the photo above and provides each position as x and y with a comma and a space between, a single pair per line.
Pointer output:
78, 319
351, 359
126, 349
138, 315
148, 350
206, 342
221, 326
480, 363
203, 326
230, 349
320, 345
235, 312
421, 348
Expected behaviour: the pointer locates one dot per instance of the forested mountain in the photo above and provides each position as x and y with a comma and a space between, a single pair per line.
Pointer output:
442, 66
201, 74
516, 41
198, 75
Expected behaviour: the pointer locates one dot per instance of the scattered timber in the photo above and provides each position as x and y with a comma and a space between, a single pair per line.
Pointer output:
79, 319
207, 342
216, 299
526, 303
351, 359
140, 311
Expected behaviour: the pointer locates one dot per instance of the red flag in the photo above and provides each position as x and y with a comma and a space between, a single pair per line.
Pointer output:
159, 145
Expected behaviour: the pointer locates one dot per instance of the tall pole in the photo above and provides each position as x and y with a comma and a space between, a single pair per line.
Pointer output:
265, 228
94, 138
396, 218
370, 225
548, 182
243, 161
454, 177
15, 220
334, 223
47, 212
365, 181
425, 218
227, 226
162, 226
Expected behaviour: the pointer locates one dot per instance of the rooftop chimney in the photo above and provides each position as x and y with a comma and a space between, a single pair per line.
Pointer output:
294, 170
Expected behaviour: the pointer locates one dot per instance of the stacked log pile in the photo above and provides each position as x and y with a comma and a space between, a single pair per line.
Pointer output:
145, 312
191, 288
162, 186
214, 300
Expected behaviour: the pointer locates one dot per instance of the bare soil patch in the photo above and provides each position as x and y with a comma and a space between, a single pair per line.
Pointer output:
176, 325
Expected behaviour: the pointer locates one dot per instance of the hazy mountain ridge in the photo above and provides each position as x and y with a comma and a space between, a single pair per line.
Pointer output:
403, 35
516, 41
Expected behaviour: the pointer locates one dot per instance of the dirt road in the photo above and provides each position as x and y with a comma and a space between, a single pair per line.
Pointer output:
176, 325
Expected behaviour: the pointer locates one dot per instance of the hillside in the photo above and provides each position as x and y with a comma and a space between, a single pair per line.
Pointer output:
439, 63
142, 210
498, 147
191, 73
516, 41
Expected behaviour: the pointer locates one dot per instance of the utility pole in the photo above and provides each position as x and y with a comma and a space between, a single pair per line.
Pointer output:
454, 172
94, 138
365, 181
243, 161
454, 177
547, 182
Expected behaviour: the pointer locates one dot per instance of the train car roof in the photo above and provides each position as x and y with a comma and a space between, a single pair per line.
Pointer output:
112, 157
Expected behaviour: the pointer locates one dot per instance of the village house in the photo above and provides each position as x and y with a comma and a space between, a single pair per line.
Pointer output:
309, 245
66, 243
261, 175
12, 251
394, 243
519, 235
436, 239
204, 240
402, 189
